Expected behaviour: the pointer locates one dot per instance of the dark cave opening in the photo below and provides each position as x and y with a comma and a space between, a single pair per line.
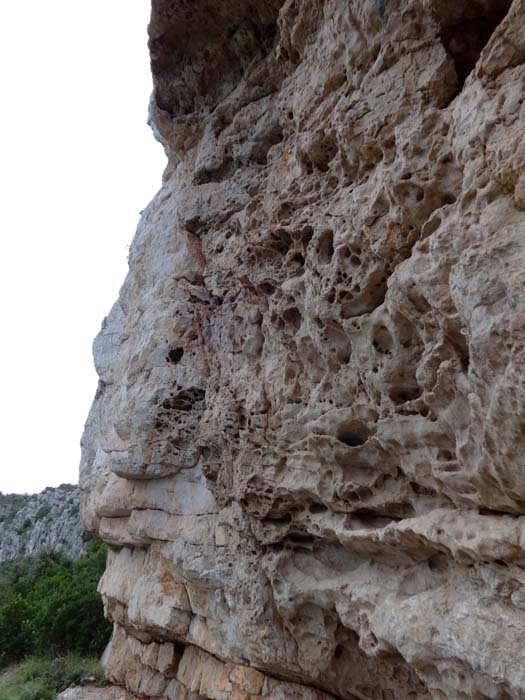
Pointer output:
465, 41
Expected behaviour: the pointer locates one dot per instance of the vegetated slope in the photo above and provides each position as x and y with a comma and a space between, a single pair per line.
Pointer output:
49, 606
41, 679
47, 521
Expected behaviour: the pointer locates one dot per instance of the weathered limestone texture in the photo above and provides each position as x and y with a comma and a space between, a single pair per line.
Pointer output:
307, 446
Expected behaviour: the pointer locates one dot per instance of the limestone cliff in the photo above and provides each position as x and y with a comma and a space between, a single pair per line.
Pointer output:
307, 446
46, 521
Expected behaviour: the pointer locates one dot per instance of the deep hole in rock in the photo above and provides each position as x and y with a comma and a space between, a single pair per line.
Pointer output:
184, 400
445, 455
438, 562
400, 395
460, 345
175, 355
449, 467
465, 41
339, 651
292, 317
317, 508
281, 241
284, 520
353, 434
179, 647
490, 511
322, 153
326, 246
351, 439
298, 258
300, 538
422, 490
369, 519
382, 340
266, 288
392, 511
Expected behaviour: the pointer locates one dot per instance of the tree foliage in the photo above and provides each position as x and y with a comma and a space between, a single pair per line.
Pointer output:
50, 605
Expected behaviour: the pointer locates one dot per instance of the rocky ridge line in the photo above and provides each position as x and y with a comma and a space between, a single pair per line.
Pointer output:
46, 521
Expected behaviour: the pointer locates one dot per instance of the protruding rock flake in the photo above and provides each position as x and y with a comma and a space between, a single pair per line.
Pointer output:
307, 449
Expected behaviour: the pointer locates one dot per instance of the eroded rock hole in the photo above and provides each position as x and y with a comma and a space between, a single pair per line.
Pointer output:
369, 519
422, 490
460, 345
465, 41
438, 562
184, 400
281, 241
400, 395
316, 508
278, 522
175, 355
423, 410
322, 152
382, 340
430, 227
339, 651
300, 539
298, 258
266, 288
325, 246
292, 318
353, 434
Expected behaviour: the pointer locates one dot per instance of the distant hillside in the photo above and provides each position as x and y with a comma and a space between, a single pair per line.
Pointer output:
47, 521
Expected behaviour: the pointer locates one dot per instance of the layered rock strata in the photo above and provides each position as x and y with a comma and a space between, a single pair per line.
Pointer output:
306, 451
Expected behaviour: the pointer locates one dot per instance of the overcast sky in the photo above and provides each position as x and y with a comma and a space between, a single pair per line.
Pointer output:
77, 164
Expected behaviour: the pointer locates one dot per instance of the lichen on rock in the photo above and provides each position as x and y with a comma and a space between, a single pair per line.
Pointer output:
307, 447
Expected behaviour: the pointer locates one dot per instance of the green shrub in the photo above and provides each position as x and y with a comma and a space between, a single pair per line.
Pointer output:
43, 512
10, 504
49, 605
26, 525
15, 629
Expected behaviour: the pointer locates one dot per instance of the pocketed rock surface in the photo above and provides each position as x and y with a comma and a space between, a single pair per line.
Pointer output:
307, 446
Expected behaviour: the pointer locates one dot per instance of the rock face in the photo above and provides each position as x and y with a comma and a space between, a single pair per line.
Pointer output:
47, 521
307, 446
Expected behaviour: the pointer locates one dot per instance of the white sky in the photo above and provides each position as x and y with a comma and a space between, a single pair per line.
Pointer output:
77, 164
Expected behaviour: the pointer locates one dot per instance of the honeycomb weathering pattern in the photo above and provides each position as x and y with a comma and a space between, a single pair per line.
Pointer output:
307, 446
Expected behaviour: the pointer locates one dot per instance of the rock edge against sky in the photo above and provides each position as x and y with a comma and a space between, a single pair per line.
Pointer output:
307, 446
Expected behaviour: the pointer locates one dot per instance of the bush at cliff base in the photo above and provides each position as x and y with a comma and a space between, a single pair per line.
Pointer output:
50, 606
